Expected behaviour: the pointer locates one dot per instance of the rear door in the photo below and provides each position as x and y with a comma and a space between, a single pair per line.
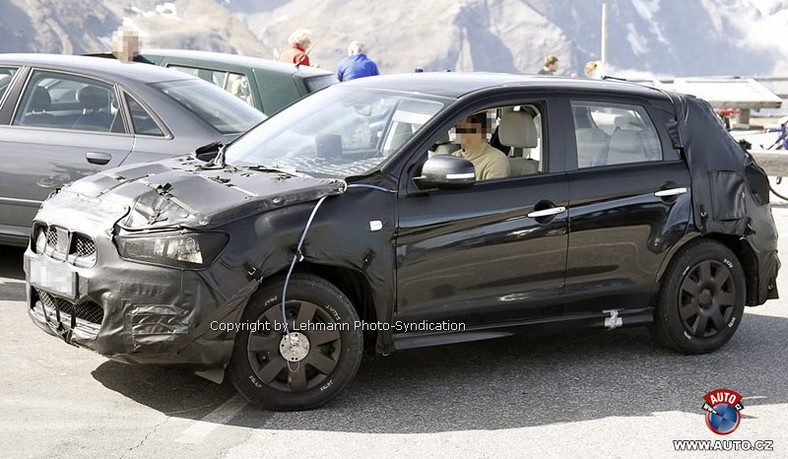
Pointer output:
629, 203
64, 126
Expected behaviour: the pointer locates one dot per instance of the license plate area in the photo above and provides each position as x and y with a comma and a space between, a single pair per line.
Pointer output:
61, 280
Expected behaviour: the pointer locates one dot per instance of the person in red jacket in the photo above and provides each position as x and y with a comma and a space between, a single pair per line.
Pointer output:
299, 44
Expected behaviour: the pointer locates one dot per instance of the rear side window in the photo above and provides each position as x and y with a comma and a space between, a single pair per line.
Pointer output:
610, 133
66, 101
6, 74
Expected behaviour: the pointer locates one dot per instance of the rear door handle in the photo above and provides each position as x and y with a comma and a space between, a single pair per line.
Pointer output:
670, 192
98, 158
546, 212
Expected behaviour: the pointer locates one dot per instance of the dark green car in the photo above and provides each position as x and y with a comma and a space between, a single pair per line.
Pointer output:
264, 84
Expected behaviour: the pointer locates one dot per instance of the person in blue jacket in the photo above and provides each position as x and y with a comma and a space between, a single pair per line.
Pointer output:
356, 64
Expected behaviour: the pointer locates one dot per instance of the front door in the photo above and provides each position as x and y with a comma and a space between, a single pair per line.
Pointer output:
493, 252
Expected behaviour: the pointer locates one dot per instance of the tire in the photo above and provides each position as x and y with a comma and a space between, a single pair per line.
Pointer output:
701, 301
313, 374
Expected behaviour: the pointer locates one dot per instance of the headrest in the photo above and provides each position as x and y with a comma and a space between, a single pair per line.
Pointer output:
627, 141
93, 98
628, 122
41, 100
443, 139
517, 130
583, 117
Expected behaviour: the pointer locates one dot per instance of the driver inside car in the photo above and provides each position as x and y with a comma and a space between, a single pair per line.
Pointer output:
489, 162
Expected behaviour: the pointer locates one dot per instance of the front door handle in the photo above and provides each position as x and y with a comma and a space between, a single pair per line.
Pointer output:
546, 212
670, 192
98, 158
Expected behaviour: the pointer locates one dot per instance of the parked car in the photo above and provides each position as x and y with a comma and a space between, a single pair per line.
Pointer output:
264, 84
65, 117
346, 221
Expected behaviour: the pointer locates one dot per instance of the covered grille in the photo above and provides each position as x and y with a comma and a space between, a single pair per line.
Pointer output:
59, 243
87, 310
83, 246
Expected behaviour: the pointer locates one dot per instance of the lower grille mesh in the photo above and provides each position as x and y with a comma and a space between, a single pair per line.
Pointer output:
87, 311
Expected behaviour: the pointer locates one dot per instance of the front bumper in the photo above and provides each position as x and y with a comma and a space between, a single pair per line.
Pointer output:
131, 312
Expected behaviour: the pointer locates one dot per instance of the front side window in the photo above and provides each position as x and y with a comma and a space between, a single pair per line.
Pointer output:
222, 111
337, 132
611, 133
6, 74
66, 101
501, 142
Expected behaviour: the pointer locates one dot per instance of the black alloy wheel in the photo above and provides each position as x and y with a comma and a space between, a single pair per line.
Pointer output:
300, 360
309, 364
701, 299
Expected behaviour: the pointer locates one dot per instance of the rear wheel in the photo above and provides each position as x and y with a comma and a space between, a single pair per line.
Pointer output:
701, 301
311, 364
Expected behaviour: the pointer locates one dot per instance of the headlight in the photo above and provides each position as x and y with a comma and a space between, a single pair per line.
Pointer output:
179, 250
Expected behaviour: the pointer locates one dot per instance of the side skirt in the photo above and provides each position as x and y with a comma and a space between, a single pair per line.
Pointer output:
604, 319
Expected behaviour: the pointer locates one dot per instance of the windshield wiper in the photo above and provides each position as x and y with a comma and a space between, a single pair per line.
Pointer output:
263, 168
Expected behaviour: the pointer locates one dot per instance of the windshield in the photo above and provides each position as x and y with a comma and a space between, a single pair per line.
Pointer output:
223, 111
336, 132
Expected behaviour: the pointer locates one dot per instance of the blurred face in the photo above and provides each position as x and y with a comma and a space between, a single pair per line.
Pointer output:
126, 46
469, 131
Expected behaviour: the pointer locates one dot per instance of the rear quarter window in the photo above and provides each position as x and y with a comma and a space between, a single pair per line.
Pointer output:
317, 83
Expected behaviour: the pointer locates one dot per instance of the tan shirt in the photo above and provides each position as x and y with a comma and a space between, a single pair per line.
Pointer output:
490, 163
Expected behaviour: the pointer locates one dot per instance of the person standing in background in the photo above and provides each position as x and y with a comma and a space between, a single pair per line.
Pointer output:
356, 64
299, 41
591, 69
126, 44
550, 65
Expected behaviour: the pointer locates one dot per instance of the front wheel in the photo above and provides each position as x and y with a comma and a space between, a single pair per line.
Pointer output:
701, 301
311, 364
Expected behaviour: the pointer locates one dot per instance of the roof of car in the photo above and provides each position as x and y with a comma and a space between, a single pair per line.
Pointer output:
457, 84
235, 59
108, 68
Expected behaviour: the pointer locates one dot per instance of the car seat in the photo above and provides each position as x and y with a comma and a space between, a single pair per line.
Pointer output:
626, 143
36, 112
516, 132
592, 142
95, 102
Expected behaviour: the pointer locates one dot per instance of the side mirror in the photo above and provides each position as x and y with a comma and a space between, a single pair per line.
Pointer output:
446, 173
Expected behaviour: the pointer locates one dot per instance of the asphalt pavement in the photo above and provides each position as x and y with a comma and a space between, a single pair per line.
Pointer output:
592, 394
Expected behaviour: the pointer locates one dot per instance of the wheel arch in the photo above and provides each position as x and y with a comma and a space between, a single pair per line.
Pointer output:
352, 283
739, 247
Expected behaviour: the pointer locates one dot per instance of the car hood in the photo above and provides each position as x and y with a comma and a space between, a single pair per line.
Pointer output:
182, 192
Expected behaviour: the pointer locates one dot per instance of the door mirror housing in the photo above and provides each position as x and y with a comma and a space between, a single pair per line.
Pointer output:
446, 172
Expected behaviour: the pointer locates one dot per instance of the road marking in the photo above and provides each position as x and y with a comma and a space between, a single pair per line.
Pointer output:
202, 428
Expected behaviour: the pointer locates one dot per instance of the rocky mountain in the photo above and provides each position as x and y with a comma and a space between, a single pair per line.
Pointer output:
645, 37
